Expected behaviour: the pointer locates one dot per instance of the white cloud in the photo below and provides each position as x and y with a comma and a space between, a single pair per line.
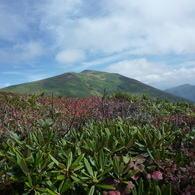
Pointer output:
142, 27
70, 56
21, 52
28, 50
152, 73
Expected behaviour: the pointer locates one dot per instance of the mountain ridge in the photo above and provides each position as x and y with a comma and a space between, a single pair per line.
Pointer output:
89, 83
186, 91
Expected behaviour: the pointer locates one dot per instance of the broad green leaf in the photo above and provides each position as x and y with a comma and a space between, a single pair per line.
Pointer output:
105, 172
157, 190
116, 165
91, 191
38, 193
30, 159
69, 160
41, 189
150, 154
54, 160
140, 186
62, 166
61, 177
24, 166
78, 160
50, 165
66, 186
30, 147
131, 141
27, 183
88, 167
51, 192
29, 179
106, 187
75, 179
140, 145
78, 167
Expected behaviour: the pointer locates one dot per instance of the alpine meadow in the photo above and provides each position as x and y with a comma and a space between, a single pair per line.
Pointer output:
116, 144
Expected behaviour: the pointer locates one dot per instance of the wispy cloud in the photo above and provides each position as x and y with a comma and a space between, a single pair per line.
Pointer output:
21, 52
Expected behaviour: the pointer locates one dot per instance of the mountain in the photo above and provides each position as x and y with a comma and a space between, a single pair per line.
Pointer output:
89, 83
186, 91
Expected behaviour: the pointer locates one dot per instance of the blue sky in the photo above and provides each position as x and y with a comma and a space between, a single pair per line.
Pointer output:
152, 41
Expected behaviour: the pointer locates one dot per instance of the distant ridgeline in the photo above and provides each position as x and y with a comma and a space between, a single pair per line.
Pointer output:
90, 83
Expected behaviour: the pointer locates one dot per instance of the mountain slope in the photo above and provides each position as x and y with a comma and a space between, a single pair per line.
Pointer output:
89, 83
186, 91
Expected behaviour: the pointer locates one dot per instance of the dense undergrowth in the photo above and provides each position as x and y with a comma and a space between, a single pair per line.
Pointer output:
99, 145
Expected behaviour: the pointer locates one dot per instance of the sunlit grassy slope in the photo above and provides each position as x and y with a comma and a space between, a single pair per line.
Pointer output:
89, 83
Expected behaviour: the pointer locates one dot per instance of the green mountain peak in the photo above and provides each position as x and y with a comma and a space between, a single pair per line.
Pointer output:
89, 83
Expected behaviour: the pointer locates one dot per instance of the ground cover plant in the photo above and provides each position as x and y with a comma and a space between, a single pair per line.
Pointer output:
122, 144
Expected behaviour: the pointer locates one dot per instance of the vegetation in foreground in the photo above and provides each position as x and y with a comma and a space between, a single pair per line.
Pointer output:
99, 145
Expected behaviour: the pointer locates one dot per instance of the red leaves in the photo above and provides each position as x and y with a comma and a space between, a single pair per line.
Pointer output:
156, 175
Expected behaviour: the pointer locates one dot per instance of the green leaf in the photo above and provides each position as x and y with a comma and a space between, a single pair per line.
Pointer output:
41, 189
91, 191
75, 179
130, 174
66, 186
106, 187
50, 165
131, 141
54, 160
24, 166
104, 172
134, 191
101, 158
88, 167
30, 159
78, 160
50, 184
120, 148
150, 154
28, 184
29, 179
166, 189
37, 193
14, 136
30, 147
157, 190
79, 167
69, 160
61, 165
61, 177
140, 186
116, 165
51, 192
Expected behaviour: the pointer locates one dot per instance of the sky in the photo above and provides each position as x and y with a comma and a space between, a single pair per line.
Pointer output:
152, 41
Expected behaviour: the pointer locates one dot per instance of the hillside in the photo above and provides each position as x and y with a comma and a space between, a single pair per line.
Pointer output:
186, 91
89, 83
